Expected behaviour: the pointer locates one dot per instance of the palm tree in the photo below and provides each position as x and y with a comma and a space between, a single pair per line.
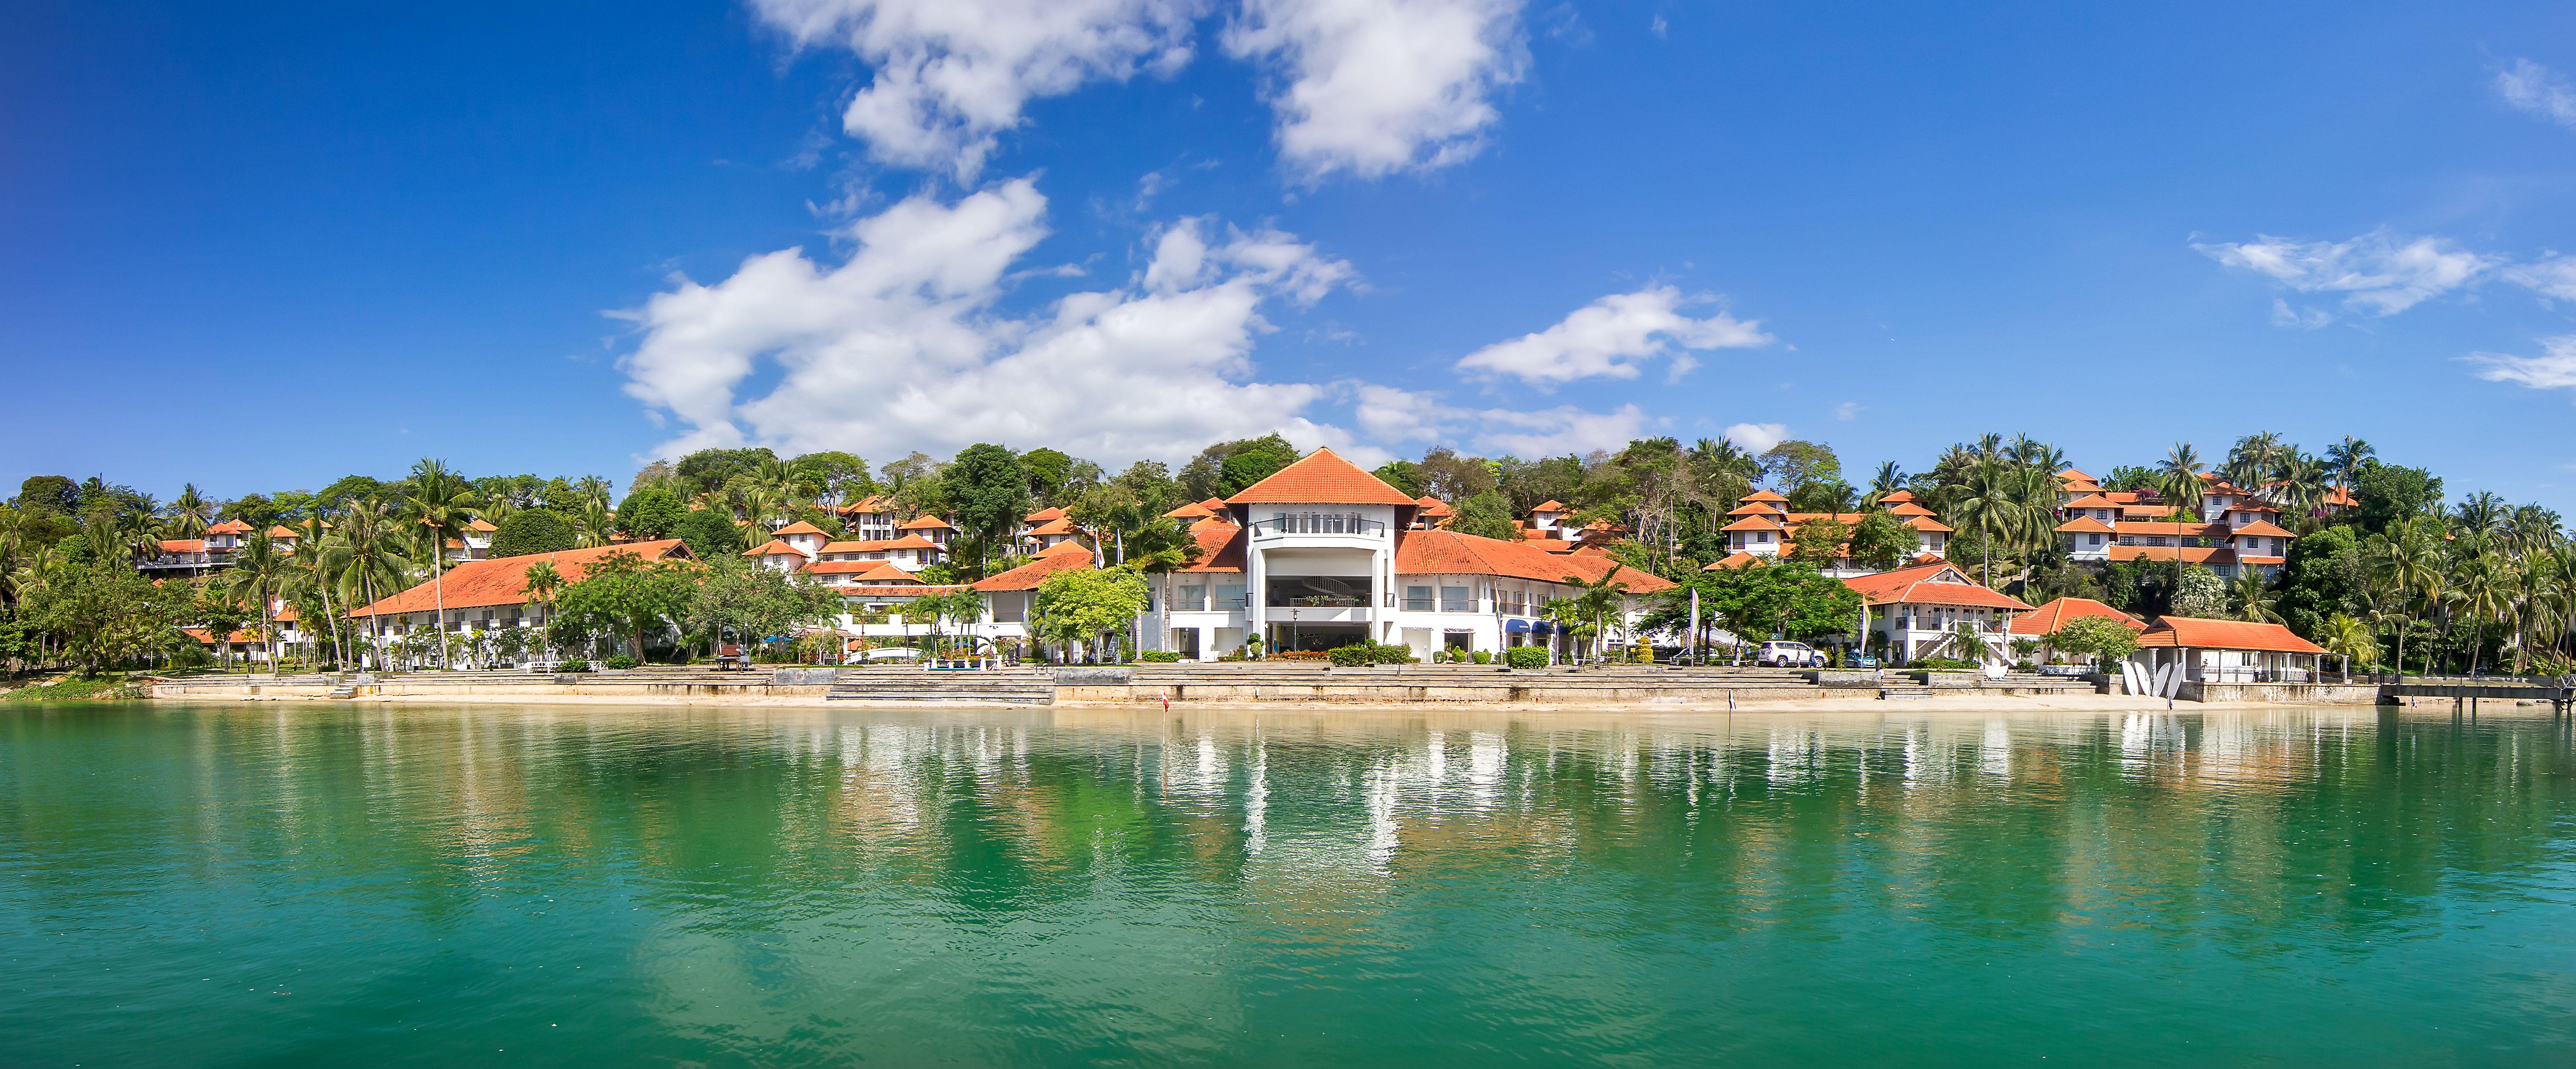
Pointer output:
259, 575
2484, 592
443, 503
2352, 640
2346, 458
597, 523
2179, 479
372, 539
190, 513
1991, 503
2254, 598
543, 583
1593, 605
1889, 480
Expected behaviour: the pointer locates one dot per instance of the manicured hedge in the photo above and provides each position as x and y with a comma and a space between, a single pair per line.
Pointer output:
1526, 656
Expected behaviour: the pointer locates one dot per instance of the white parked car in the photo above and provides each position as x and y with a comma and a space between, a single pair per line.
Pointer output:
1789, 655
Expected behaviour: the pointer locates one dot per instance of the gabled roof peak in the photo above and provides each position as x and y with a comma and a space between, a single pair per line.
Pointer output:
1321, 478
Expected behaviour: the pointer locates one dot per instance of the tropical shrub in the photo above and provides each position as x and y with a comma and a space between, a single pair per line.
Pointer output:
621, 661
1298, 655
1483, 656
1349, 656
532, 531
573, 666
1526, 656
1158, 657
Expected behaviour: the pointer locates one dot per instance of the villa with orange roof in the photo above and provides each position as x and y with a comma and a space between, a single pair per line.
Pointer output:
1911, 613
1762, 523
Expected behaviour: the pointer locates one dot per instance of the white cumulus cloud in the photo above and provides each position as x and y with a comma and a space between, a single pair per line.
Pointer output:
1612, 336
2378, 272
2554, 277
2554, 370
1378, 86
1757, 437
952, 74
901, 346
1396, 415
2535, 89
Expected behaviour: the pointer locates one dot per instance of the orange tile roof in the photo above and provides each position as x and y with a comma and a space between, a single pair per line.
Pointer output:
2190, 632
1756, 508
800, 527
1733, 561
1321, 478
2167, 529
2084, 525
2261, 527
204, 637
866, 592
1220, 548
775, 548
1211, 523
2091, 501
229, 527
1029, 576
1056, 526
1448, 552
2046, 619
1434, 507
2340, 498
2075, 474
1926, 523
1765, 495
1755, 523
2147, 512
1905, 508
1043, 515
1930, 584
480, 524
1065, 547
504, 580
1900, 496
280, 532
1191, 511
873, 545
857, 569
183, 545
866, 505
2212, 556
1549, 505
925, 523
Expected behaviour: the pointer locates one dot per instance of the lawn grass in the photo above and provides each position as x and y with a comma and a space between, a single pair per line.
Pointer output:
75, 688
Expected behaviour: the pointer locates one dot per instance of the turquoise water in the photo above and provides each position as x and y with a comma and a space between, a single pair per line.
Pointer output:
329, 885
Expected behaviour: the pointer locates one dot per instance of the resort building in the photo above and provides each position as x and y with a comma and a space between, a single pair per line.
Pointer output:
2226, 651
491, 593
2045, 620
1916, 612
1323, 554
1763, 524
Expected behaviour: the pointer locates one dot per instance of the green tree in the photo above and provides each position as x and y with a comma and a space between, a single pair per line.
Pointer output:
2387, 493
1252, 460
1795, 463
751, 602
49, 494
1819, 541
988, 492
709, 534
442, 503
2099, 637
1403, 475
1882, 541
650, 513
532, 531
2199, 594
1086, 603
1758, 601
1485, 515
622, 595
708, 470
2324, 577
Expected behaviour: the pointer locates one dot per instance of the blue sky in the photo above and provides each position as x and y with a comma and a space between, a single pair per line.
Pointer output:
262, 247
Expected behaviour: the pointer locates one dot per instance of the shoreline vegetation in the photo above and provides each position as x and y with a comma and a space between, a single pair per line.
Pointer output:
2381, 570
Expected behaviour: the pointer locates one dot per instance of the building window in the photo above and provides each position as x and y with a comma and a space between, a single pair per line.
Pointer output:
1762, 536
1189, 597
2093, 540
1229, 596
1417, 599
1457, 599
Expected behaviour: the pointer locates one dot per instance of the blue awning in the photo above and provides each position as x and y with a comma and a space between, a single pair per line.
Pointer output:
1516, 627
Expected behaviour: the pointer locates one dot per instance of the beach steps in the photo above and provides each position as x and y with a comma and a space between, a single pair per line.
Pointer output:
908, 685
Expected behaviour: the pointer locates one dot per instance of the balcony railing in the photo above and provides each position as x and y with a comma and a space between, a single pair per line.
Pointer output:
1319, 523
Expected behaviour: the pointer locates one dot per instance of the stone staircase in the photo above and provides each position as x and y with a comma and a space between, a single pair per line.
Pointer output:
905, 684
